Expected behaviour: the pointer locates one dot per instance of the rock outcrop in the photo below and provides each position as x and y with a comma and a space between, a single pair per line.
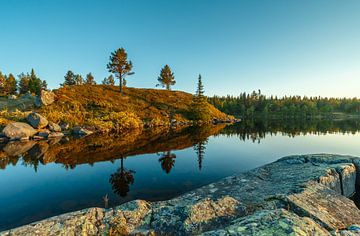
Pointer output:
19, 130
297, 195
45, 98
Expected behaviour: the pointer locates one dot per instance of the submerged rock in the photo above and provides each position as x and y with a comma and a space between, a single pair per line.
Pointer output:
77, 130
19, 130
297, 195
36, 120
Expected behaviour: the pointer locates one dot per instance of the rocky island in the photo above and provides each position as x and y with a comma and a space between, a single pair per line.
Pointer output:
296, 195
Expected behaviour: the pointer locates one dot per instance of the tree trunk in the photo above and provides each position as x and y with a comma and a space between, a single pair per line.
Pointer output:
121, 83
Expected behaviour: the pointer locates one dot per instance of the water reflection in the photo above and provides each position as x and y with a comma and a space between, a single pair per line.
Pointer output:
122, 179
71, 152
167, 161
258, 129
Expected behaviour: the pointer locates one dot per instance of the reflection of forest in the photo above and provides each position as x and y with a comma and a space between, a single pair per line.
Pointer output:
71, 152
256, 130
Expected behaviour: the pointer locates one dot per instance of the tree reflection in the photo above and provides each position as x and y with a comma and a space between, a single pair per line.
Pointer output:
200, 152
121, 180
167, 161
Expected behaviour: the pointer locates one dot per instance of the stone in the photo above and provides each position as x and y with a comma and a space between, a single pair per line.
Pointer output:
55, 135
347, 174
36, 120
45, 98
77, 130
64, 126
54, 127
18, 130
43, 133
12, 97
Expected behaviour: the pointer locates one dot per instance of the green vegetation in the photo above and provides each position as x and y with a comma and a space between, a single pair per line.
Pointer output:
27, 83
200, 107
166, 78
257, 104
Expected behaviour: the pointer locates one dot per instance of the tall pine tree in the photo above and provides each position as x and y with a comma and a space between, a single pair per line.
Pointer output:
199, 106
120, 66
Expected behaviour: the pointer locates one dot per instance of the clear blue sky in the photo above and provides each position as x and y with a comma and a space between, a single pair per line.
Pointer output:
280, 47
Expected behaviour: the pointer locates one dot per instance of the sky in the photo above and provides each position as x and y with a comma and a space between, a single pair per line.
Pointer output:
281, 47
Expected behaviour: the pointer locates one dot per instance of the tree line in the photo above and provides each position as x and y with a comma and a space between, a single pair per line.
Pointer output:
25, 83
256, 104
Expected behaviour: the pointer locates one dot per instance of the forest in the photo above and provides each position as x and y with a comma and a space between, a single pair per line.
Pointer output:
258, 105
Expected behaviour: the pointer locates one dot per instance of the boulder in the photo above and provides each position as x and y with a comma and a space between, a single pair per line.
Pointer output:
54, 127
81, 131
45, 98
19, 130
37, 121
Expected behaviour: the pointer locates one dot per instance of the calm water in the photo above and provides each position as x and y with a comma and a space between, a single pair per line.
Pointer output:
50, 179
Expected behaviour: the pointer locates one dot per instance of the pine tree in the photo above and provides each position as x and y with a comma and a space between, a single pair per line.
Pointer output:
69, 79
199, 106
90, 79
11, 85
34, 83
44, 85
166, 78
120, 66
78, 79
2, 85
24, 83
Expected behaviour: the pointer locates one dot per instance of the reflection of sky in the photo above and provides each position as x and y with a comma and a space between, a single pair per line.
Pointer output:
53, 189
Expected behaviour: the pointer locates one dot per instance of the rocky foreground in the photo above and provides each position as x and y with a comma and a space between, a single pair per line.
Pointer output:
296, 195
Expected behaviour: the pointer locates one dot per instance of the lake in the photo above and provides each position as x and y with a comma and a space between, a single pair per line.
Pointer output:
43, 179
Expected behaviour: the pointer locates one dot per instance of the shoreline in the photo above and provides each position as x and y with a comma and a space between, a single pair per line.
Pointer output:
296, 194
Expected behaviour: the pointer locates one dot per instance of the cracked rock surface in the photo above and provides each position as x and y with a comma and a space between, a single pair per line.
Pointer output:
296, 195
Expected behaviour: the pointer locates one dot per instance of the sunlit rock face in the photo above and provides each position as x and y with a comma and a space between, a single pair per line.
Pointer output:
299, 195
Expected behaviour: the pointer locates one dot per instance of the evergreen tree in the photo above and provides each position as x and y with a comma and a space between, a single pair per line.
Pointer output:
11, 85
2, 85
90, 79
120, 66
108, 80
199, 106
166, 78
78, 79
44, 85
35, 83
24, 83
69, 79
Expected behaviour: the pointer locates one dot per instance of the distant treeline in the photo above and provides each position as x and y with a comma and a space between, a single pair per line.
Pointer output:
25, 83
257, 104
